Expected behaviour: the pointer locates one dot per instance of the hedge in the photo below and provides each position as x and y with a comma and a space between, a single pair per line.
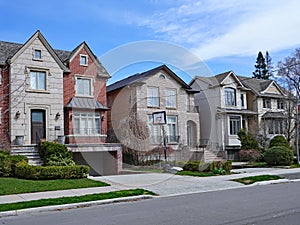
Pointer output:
279, 156
207, 167
55, 154
26, 171
8, 163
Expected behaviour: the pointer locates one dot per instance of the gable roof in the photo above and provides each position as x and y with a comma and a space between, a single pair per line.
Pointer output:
101, 70
9, 51
38, 35
140, 77
217, 80
259, 86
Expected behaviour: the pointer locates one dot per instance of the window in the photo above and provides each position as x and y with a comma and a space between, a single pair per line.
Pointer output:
171, 98
230, 97
234, 125
276, 126
172, 129
280, 104
152, 97
188, 104
84, 86
266, 103
38, 80
37, 54
83, 60
155, 131
242, 100
87, 123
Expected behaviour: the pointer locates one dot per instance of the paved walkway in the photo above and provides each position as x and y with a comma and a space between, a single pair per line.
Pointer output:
161, 183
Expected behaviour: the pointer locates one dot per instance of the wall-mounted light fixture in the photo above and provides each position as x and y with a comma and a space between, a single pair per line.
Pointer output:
57, 116
17, 114
102, 118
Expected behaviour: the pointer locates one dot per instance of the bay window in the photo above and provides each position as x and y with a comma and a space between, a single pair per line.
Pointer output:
87, 123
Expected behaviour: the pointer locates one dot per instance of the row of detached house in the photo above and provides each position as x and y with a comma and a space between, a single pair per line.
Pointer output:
62, 95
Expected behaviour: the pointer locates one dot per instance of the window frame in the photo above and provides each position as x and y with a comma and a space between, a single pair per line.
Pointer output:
171, 98
242, 100
83, 118
171, 127
82, 56
267, 103
91, 86
40, 54
280, 104
230, 92
234, 125
37, 88
152, 100
154, 131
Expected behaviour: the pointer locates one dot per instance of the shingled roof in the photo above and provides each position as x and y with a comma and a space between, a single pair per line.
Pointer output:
9, 49
139, 77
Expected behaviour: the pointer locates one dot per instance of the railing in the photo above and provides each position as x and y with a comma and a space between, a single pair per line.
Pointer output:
171, 139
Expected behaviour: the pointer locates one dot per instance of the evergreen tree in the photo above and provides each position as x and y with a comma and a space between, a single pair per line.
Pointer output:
260, 67
269, 65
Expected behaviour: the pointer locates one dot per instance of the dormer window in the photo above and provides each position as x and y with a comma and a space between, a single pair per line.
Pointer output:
83, 60
37, 54
230, 97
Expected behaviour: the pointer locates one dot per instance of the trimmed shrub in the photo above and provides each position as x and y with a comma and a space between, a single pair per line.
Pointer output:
279, 140
55, 154
5, 165
207, 167
191, 166
8, 163
279, 156
247, 140
26, 171
249, 155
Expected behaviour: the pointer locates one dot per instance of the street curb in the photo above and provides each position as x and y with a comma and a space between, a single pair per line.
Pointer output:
73, 205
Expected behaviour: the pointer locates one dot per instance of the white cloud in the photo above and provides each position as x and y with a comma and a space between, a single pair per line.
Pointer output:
216, 28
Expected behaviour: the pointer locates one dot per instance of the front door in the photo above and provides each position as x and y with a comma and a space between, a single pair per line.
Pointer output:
38, 125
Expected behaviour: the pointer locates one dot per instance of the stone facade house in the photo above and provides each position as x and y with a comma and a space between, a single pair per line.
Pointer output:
133, 101
55, 95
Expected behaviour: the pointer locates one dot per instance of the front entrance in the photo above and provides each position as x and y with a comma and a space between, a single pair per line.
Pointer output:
38, 125
191, 133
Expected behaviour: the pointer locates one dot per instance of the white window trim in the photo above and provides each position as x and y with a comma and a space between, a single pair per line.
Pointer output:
93, 117
171, 98
47, 74
87, 60
232, 91
84, 78
153, 105
176, 126
229, 134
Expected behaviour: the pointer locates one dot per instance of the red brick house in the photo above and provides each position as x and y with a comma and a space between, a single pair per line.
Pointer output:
55, 95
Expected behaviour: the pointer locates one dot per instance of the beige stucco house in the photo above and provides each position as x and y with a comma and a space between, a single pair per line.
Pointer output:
137, 97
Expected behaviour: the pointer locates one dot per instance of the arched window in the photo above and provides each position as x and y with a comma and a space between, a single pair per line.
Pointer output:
230, 97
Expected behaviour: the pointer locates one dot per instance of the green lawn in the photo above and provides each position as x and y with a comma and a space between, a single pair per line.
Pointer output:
17, 186
77, 199
195, 174
253, 179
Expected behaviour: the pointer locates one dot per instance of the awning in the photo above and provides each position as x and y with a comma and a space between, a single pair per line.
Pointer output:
85, 103
273, 115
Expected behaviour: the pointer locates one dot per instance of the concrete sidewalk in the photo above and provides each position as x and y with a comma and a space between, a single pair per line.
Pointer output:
161, 183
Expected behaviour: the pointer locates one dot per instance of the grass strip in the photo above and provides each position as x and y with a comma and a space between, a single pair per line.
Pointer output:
195, 174
10, 186
75, 199
253, 179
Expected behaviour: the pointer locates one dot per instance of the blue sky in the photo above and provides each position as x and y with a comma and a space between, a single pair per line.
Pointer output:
224, 35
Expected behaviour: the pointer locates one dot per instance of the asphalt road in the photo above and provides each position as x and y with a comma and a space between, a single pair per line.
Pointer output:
268, 204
